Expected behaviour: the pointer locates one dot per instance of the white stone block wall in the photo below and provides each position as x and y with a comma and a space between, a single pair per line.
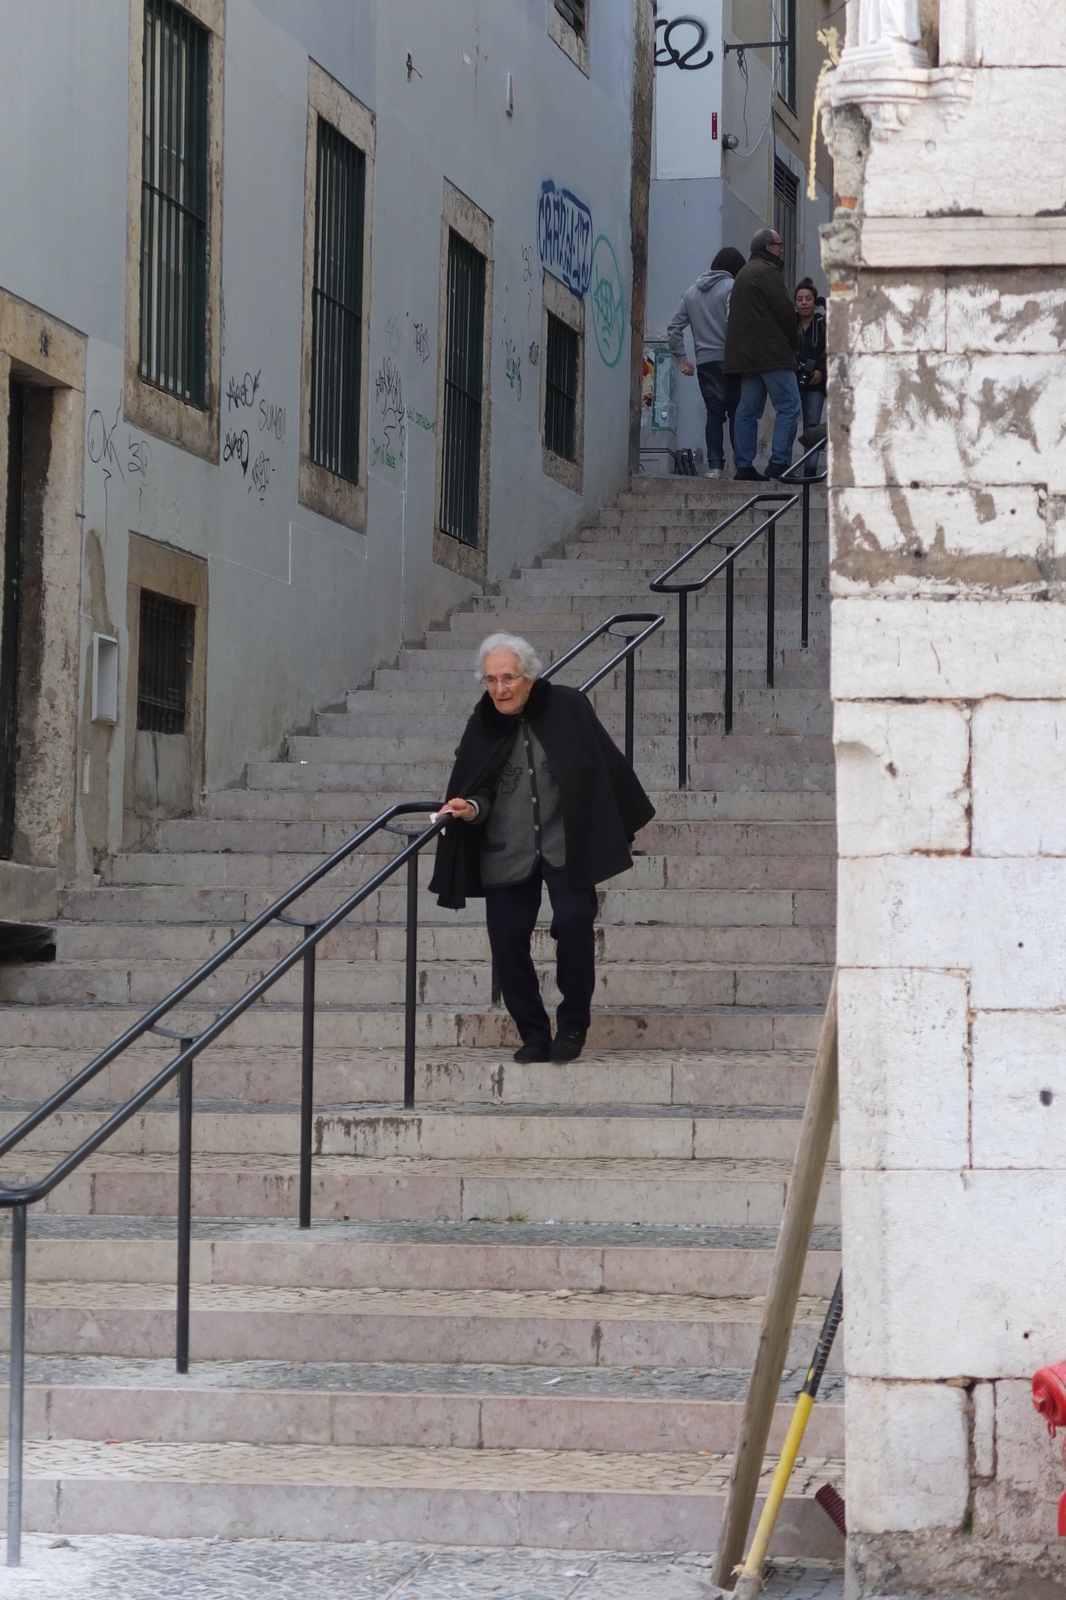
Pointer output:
947, 526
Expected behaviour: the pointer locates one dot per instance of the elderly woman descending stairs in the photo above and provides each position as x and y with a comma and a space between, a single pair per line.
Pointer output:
548, 798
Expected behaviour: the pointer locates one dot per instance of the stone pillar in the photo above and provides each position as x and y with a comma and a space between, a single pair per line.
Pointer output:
947, 402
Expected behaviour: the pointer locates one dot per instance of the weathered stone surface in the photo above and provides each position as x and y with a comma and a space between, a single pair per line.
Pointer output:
952, 1274
948, 419
889, 313
911, 1470
1019, 1090
1019, 747
904, 1087
962, 161
903, 542
902, 778
1007, 313
931, 650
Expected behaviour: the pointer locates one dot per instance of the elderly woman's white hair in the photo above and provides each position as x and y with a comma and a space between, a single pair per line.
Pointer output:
523, 652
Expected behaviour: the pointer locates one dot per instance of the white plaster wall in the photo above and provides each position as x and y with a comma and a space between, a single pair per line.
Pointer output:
301, 608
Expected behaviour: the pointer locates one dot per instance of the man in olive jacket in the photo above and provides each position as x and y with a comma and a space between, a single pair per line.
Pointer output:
760, 349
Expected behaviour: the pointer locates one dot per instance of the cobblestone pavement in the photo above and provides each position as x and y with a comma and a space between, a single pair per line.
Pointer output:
125, 1568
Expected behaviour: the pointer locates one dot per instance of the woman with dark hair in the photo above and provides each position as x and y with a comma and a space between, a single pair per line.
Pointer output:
705, 309
810, 313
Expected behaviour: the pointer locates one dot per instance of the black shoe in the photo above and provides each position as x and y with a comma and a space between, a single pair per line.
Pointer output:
534, 1052
775, 469
748, 475
567, 1046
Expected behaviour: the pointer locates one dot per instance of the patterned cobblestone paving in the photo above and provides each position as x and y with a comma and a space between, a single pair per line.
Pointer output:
126, 1568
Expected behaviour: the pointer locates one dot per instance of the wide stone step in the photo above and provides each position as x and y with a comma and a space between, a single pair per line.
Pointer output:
355, 1077
282, 870
591, 1133
373, 1404
732, 1193
567, 1499
575, 1328
190, 944
671, 838
727, 1027
424, 754
356, 807
701, 908
452, 983
265, 1252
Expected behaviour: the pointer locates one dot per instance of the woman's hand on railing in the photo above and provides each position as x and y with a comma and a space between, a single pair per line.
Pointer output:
462, 810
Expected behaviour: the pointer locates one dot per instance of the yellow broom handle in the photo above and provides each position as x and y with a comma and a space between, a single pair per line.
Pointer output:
789, 1451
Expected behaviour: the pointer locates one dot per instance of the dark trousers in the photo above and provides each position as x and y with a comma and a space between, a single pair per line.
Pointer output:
511, 914
721, 395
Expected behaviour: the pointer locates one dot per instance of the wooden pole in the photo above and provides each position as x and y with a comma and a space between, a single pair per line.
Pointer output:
786, 1276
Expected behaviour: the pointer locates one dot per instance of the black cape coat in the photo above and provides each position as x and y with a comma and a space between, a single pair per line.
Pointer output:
603, 802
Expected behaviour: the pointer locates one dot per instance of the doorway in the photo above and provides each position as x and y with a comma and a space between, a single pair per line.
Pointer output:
29, 449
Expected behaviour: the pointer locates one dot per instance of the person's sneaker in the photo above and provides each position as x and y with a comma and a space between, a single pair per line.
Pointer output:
774, 469
713, 472
534, 1052
749, 475
567, 1046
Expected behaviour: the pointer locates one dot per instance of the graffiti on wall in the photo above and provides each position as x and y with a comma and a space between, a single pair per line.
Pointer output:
608, 308
513, 365
564, 237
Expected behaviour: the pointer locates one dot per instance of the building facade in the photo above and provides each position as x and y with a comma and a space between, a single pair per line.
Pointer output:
315, 318
734, 114
947, 256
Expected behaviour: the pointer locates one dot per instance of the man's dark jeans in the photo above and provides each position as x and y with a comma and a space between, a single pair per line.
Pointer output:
721, 396
511, 915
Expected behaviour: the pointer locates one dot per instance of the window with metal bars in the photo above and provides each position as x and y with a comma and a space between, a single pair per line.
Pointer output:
789, 64
463, 358
786, 205
173, 335
560, 390
573, 12
167, 635
337, 303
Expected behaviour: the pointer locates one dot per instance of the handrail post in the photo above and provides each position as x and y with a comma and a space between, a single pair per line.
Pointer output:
629, 709
307, 1077
410, 986
770, 575
184, 1204
682, 690
17, 1385
805, 578
729, 648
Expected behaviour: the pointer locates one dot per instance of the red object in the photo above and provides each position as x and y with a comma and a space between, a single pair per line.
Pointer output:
833, 1506
714, 124
1049, 1398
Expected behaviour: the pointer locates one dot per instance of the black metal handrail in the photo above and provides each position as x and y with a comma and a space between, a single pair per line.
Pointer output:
632, 645
660, 585
806, 483
18, 1197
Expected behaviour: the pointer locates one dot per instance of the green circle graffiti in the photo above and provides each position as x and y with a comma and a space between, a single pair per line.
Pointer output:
608, 310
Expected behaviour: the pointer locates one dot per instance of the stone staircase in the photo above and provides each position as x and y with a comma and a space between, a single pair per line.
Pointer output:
526, 1310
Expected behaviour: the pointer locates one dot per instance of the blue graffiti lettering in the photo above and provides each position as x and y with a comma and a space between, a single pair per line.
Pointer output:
564, 236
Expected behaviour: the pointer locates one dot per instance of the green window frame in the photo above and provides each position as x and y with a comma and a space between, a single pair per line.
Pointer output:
560, 389
337, 303
463, 391
174, 190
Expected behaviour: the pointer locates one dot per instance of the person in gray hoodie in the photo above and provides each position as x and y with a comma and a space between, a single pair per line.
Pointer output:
705, 309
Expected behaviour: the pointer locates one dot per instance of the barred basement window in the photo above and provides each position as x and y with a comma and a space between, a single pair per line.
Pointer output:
786, 203
173, 332
560, 390
573, 11
167, 636
337, 303
463, 359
